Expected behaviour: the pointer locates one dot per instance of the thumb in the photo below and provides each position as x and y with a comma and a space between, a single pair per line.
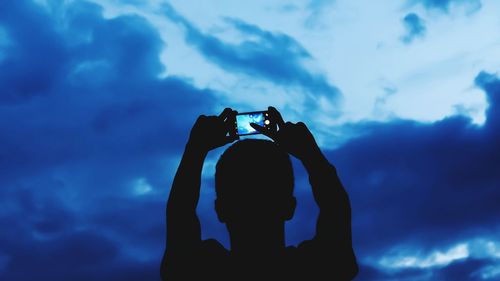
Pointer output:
262, 130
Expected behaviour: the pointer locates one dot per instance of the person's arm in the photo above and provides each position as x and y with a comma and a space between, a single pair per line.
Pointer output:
333, 229
330, 251
183, 227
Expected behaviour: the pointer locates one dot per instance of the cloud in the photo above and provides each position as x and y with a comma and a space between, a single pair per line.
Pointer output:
415, 28
416, 167
89, 97
446, 5
85, 124
421, 186
90, 137
438, 258
316, 9
424, 195
466, 270
275, 57
472, 260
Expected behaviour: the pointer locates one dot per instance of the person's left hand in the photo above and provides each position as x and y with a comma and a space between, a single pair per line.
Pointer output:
295, 138
210, 132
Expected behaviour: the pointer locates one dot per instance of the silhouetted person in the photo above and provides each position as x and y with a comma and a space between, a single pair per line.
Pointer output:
254, 186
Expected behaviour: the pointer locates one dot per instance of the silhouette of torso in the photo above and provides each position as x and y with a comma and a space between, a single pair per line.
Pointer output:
255, 220
213, 262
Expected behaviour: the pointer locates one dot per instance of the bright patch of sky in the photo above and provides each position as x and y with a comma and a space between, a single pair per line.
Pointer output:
356, 44
141, 186
437, 258
476, 248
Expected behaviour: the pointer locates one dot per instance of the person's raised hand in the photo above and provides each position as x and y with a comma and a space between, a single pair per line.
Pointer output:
210, 132
295, 138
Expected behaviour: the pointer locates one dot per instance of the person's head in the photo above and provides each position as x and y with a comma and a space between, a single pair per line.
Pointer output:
254, 184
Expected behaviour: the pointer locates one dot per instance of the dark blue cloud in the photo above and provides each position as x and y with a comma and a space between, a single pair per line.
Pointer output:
467, 270
84, 117
96, 97
275, 57
424, 186
415, 28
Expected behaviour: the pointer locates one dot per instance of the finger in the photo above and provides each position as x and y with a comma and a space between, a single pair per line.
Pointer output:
303, 126
263, 130
276, 116
230, 121
201, 118
225, 113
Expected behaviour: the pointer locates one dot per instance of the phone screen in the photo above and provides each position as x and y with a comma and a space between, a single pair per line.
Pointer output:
243, 121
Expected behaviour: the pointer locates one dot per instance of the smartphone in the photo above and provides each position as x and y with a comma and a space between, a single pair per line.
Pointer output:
243, 120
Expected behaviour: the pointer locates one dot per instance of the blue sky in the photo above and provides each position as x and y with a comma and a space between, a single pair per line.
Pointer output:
97, 99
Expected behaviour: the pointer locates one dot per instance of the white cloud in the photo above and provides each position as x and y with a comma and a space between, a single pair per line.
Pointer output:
479, 248
357, 48
436, 258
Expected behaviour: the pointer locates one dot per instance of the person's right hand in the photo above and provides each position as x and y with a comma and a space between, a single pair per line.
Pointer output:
295, 138
210, 132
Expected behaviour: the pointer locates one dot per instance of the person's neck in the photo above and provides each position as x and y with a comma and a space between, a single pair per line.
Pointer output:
268, 240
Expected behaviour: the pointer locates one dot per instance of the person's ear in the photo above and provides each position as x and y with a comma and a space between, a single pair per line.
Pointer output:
219, 209
291, 203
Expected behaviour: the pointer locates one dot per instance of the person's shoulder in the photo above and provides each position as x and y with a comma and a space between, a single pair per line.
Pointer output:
213, 247
204, 261
298, 251
302, 246
317, 260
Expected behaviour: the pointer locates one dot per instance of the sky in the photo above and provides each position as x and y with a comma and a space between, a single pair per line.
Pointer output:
97, 99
